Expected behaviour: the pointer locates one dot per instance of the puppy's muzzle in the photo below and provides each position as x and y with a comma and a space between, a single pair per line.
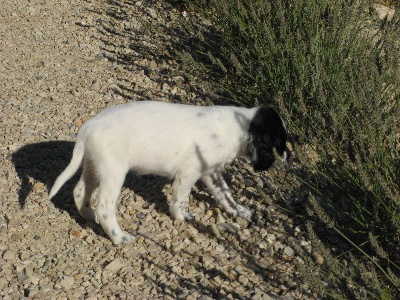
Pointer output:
286, 159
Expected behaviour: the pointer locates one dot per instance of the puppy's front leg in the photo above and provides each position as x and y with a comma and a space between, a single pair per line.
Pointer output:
180, 197
222, 195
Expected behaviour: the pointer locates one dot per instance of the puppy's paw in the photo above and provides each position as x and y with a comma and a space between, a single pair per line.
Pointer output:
181, 215
243, 212
122, 238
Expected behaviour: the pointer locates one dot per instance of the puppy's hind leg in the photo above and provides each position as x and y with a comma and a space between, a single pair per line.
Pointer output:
222, 195
180, 197
109, 191
83, 192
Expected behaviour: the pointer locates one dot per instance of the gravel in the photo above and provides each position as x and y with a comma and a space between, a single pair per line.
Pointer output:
61, 63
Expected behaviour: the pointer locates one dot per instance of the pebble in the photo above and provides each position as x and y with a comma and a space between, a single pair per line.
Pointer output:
271, 238
115, 265
288, 252
243, 280
229, 227
319, 259
9, 255
67, 282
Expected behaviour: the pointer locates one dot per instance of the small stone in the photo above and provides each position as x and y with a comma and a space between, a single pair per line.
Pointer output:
288, 252
318, 258
271, 238
249, 182
229, 227
303, 243
9, 255
262, 245
3, 282
34, 280
268, 253
67, 282
115, 265
38, 186
220, 248
243, 280
24, 255
207, 260
215, 230
290, 284
384, 12
75, 233
165, 87
220, 219
152, 12
16, 237
209, 213
24, 278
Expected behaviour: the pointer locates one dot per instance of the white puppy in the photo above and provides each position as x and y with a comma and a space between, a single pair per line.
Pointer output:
183, 142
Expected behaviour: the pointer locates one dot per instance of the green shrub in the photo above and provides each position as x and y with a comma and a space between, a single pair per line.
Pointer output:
332, 69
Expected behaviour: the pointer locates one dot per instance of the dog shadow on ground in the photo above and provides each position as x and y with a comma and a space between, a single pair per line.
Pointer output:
43, 162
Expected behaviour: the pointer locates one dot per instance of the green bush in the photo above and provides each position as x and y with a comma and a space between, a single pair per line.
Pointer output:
332, 69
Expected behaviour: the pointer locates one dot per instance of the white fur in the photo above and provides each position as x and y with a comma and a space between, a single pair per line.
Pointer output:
181, 142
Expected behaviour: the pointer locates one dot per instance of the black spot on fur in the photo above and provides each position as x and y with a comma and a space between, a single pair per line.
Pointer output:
124, 239
200, 114
113, 232
189, 217
105, 217
231, 203
266, 132
217, 180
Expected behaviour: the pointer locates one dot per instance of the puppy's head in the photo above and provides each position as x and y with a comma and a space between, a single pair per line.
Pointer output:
267, 132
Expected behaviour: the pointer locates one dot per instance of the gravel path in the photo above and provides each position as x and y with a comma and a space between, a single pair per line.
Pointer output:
62, 62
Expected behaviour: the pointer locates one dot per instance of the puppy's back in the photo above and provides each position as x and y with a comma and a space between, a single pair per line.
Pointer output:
142, 133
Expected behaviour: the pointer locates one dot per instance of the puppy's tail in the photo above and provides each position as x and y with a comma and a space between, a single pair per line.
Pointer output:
70, 170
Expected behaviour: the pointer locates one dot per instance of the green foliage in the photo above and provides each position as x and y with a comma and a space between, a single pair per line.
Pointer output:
333, 70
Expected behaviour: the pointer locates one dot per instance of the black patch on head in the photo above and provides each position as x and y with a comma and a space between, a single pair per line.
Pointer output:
266, 132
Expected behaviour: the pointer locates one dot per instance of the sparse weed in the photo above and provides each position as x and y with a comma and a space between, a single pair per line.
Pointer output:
332, 68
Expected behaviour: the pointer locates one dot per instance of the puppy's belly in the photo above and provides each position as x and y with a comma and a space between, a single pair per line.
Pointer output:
154, 169
154, 163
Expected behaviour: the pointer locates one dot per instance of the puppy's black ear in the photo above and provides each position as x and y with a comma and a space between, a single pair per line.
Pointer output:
266, 132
